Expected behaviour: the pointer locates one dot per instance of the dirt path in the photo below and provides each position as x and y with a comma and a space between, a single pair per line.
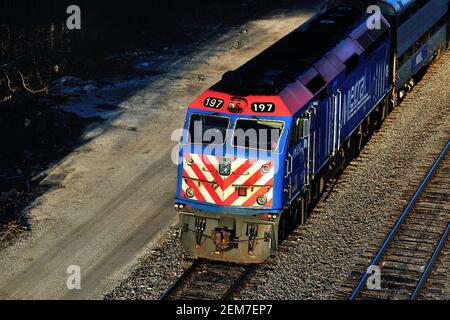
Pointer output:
117, 189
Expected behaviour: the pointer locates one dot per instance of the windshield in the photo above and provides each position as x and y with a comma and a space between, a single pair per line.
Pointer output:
208, 129
257, 134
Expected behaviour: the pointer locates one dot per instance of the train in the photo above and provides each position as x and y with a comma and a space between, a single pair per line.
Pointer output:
259, 146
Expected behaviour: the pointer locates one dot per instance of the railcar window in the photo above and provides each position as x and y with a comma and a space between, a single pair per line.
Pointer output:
300, 130
401, 60
409, 53
208, 129
257, 134
412, 10
426, 37
442, 21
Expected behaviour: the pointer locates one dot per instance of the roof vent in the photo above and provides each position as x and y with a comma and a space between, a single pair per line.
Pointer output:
337, 15
328, 21
316, 84
345, 9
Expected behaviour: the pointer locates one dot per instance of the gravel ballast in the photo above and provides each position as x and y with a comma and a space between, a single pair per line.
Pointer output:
316, 263
437, 286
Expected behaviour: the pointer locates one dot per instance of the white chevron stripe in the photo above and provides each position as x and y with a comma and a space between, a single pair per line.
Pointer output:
241, 200
266, 178
190, 172
198, 161
206, 194
241, 180
225, 194
236, 164
214, 161
261, 182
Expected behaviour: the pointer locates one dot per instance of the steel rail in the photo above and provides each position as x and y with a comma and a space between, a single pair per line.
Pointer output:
430, 264
389, 238
229, 294
166, 295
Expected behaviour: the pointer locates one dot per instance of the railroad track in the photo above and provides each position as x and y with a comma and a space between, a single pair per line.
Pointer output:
437, 285
408, 254
209, 280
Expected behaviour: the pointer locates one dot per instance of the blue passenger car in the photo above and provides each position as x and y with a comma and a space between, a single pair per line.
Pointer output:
420, 30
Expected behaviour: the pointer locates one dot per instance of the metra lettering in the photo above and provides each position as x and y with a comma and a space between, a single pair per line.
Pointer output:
419, 58
357, 93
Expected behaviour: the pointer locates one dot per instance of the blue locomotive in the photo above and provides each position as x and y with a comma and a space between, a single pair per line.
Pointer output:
260, 145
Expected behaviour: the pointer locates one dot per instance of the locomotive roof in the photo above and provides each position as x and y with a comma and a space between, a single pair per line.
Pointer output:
282, 63
399, 5
388, 7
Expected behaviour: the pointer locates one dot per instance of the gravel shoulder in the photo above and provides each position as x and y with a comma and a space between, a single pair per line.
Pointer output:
316, 262
116, 190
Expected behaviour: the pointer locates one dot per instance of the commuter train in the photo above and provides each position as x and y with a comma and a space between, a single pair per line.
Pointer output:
260, 145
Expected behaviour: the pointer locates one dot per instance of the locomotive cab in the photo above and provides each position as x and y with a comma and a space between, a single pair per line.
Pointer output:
231, 181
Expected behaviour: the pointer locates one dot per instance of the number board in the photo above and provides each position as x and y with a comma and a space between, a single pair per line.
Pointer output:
213, 103
263, 107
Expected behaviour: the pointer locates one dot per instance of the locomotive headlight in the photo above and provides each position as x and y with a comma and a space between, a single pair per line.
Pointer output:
262, 200
265, 169
190, 162
190, 193
237, 105
179, 206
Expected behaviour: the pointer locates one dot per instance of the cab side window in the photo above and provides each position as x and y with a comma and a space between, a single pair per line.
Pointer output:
298, 131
